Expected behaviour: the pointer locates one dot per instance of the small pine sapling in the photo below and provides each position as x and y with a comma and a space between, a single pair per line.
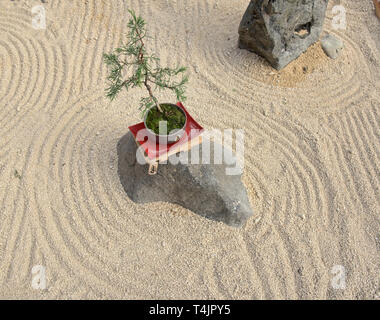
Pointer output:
144, 70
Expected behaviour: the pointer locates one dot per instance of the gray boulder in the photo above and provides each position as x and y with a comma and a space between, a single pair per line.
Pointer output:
281, 30
205, 189
332, 46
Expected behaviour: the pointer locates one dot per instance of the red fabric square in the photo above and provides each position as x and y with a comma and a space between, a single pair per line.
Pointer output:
155, 150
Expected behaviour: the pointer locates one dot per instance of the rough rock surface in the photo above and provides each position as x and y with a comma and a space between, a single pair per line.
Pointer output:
332, 46
281, 30
204, 189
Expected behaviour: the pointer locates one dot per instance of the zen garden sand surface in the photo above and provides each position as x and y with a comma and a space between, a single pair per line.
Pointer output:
311, 165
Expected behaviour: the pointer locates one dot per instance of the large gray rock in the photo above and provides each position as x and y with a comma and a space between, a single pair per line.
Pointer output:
205, 189
281, 30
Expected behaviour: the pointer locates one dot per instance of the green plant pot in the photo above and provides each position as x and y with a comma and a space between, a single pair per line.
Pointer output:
173, 135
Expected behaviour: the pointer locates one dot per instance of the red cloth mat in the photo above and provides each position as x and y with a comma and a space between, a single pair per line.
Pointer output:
154, 150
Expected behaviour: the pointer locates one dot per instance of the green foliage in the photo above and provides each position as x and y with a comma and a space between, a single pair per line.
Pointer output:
143, 68
175, 118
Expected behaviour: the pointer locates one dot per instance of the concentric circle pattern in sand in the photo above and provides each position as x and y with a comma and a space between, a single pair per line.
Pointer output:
311, 158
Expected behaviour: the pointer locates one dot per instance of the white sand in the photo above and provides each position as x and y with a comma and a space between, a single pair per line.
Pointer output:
311, 164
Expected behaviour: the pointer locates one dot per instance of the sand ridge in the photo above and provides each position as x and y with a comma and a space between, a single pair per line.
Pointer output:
311, 159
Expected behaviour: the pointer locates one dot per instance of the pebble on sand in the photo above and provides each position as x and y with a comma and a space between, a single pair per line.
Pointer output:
332, 46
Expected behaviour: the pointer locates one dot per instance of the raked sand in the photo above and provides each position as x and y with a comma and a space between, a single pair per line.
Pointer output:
312, 151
